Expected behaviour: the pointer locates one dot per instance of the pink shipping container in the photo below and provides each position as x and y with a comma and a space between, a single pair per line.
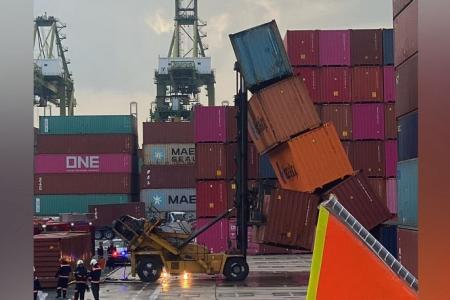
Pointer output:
391, 158
389, 84
335, 85
334, 47
83, 163
216, 237
214, 197
302, 47
391, 194
215, 124
311, 78
368, 121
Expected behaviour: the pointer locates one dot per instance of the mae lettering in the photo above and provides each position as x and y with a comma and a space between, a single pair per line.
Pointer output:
82, 162
182, 199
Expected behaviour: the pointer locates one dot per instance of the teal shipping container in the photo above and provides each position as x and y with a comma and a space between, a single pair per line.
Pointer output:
53, 205
407, 192
261, 55
111, 124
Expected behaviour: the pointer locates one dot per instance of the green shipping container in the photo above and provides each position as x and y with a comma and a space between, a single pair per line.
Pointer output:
52, 205
407, 192
124, 124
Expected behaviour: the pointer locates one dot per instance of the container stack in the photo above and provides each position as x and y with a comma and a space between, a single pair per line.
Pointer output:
307, 155
84, 160
167, 176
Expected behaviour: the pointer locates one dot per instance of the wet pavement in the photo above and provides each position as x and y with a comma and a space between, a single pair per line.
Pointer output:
271, 277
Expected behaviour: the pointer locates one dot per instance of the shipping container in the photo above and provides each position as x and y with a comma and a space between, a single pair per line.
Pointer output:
53, 205
215, 161
105, 214
358, 197
390, 122
169, 154
366, 47
167, 177
347, 145
389, 84
370, 157
168, 133
106, 183
391, 158
368, 121
214, 197
110, 124
406, 33
279, 112
335, 85
261, 55
334, 47
265, 168
386, 234
215, 124
407, 86
310, 160
399, 6
311, 78
407, 192
379, 187
391, 194
408, 136
408, 248
86, 144
388, 47
84, 163
367, 84
252, 161
169, 199
341, 116
216, 238
302, 47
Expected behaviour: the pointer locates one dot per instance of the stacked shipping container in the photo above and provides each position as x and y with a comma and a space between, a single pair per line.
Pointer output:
84, 160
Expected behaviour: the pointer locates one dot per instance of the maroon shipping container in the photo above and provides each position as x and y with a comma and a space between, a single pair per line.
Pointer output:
60, 184
389, 84
368, 121
408, 244
215, 124
390, 123
406, 33
357, 196
335, 84
214, 197
334, 47
347, 145
168, 132
302, 47
407, 86
311, 78
291, 219
379, 187
341, 116
369, 156
167, 177
216, 238
49, 248
86, 144
215, 160
399, 5
105, 214
391, 158
366, 47
367, 84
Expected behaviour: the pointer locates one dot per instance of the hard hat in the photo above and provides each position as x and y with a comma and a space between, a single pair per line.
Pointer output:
93, 262
80, 262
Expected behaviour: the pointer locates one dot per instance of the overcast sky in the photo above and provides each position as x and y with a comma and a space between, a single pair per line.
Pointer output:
114, 45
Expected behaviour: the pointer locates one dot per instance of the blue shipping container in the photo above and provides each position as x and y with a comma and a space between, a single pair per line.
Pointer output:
265, 168
386, 234
407, 182
261, 55
388, 47
407, 136
112, 124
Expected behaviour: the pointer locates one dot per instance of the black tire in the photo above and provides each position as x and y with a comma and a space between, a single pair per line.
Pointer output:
98, 234
236, 269
109, 234
149, 269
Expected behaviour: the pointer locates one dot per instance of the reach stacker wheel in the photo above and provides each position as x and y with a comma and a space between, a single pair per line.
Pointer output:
236, 269
149, 269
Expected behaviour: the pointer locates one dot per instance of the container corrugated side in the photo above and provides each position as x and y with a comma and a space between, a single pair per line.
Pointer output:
408, 249
334, 48
391, 194
399, 6
407, 127
215, 160
366, 47
214, 197
302, 47
368, 121
168, 132
341, 116
215, 124
379, 187
170, 199
311, 78
388, 47
407, 192
391, 158
265, 168
406, 33
169, 154
370, 157
335, 85
216, 237
105, 214
407, 86
390, 123
167, 177
389, 84
367, 84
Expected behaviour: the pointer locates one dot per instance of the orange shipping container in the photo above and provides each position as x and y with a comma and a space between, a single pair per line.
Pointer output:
311, 160
280, 112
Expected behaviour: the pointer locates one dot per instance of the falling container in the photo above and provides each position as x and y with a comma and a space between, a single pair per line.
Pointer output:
391, 194
280, 112
265, 168
167, 177
311, 78
341, 116
368, 121
311, 160
110, 124
389, 84
164, 200
407, 192
169, 154
216, 161
367, 84
215, 124
370, 157
391, 158
366, 47
407, 86
408, 249
168, 132
406, 33
216, 238
252, 161
335, 85
334, 48
302, 47
390, 122
408, 136
379, 187
388, 47
261, 55
105, 214
214, 197
400, 5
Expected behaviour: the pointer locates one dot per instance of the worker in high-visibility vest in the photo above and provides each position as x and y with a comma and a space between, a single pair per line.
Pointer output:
81, 278
94, 278
63, 274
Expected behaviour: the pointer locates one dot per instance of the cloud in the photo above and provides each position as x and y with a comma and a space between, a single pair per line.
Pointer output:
217, 30
159, 22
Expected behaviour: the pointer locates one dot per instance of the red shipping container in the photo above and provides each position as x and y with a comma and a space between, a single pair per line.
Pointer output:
216, 238
379, 187
389, 84
367, 84
334, 47
391, 194
215, 124
214, 197
341, 116
408, 246
366, 47
390, 122
406, 33
311, 78
168, 132
302, 47
369, 156
335, 85
391, 158
368, 121
105, 214
60, 184
215, 160
167, 177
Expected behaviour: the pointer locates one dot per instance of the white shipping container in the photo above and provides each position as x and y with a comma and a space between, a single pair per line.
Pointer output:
169, 154
170, 199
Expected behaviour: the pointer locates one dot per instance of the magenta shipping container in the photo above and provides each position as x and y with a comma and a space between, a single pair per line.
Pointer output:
216, 237
389, 84
368, 121
215, 124
391, 194
334, 47
83, 163
391, 158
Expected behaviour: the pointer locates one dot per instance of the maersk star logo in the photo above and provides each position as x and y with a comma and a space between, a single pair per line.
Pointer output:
158, 154
157, 200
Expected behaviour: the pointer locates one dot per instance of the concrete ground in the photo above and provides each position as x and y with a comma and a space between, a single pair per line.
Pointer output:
271, 277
